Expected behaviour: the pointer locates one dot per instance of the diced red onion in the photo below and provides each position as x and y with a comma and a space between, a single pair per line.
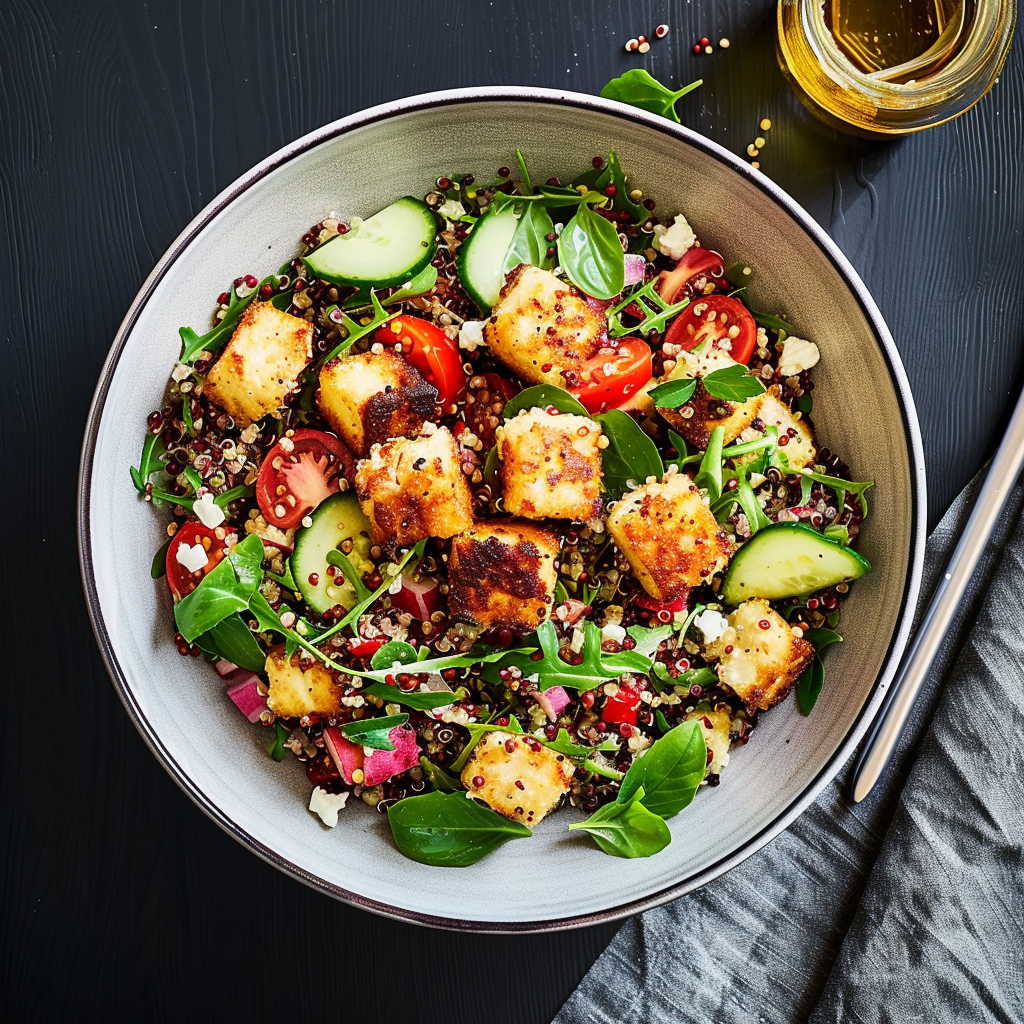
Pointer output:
244, 692
225, 668
635, 265
553, 701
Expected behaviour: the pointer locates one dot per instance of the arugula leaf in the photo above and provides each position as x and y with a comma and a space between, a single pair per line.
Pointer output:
841, 486
153, 459
602, 768
530, 240
656, 311
591, 255
673, 393
669, 772
214, 340
476, 730
709, 476
627, 829
449, 830
649, 640
808, 688
595, 668
232, 639
543, 395
418, 700
563, 744
840, 534
733, 384
354, 330
639, 89
373, 732
630, 455
439, 778
622, 199
551, 197
477, 656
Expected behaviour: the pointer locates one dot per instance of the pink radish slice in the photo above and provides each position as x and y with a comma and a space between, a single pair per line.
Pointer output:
553, 701
225, 668
381, 765
347, 755
635, 265
243, 690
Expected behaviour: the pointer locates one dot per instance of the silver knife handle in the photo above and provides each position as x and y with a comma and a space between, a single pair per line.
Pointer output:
931, 632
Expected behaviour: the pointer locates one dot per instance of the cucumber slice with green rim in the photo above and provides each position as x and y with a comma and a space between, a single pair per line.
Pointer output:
335, 520
787, 560
389, 248
481, 259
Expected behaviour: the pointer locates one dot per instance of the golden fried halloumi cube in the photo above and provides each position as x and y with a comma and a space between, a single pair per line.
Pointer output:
502, 574
517, 776
373, 396
542, 327
716, 726
759, 655
550, 465
260, 364
295, 692
669, 536
795, 437
414, 487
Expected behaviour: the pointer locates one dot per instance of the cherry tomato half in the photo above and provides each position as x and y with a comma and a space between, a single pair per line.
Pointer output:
298, 473
430, 350
181, 580
609, 380
716, 319
679, 282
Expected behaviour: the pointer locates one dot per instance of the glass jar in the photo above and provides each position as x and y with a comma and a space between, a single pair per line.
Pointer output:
872, 104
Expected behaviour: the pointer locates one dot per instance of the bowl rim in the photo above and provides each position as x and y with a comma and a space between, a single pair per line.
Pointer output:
564, 98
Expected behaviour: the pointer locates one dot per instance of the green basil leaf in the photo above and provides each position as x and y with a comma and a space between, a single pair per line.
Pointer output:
732, 384
220, 594
630, 456
449, 830
673, 393
543, 395
669, 772
439, 778
418, 700
808, 687
627, 829
637, 88
373, 732
394, 650
773, 323
232, 640
591, 255
529, 240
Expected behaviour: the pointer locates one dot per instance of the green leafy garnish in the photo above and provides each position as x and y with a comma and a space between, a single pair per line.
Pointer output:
627, 829
639, 89
732, 384
530, 240
591, 255
159, 566
709, 476
542, 396
154, 453
439, 778
353, 330
841, 487
563, 744
631, 456
418, 700
276, 747
449, 830
673, 393
373, 732
649, 640
656, 311
669, 772
232, 640
808, 688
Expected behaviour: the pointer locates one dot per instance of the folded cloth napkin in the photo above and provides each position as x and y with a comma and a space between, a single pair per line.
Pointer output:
906, 907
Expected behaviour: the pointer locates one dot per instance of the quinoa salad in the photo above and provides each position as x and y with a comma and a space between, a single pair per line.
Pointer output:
503, 499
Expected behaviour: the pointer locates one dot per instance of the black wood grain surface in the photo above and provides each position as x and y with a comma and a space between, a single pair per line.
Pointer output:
118, 122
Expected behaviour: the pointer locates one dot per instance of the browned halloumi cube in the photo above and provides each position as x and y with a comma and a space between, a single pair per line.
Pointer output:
550, 465
503, 574
295, 692
669, 536
414, 487
260, 364
759, 655
373, 396
716, 726
542, 327
517, 776
795, 437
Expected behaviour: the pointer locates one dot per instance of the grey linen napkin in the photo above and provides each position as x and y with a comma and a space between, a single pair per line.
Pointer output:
906, 907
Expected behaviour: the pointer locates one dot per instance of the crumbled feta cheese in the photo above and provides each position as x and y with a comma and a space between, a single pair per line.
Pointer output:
452, 209
471, 335
209, 512
613, 632
798, 355
712, 624
192, 556
675, 240
180, 372
326, 805
450, 713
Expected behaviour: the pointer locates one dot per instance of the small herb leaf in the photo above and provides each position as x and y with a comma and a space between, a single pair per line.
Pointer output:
669, 773
542, 396
591, 254
732, 384
673, 393
373, 732
637, 88
630, 456
627, 829
418, 700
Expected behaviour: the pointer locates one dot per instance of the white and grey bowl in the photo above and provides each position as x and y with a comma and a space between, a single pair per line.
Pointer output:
863, 410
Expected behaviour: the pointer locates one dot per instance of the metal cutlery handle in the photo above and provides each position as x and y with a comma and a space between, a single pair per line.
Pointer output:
916, 663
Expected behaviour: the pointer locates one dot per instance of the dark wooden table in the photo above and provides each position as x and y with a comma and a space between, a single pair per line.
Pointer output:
118, 122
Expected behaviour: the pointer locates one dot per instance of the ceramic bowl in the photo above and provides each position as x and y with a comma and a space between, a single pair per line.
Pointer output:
863, 410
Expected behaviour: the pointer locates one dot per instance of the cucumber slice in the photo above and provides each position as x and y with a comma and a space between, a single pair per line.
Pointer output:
389, 248
787, 560
481, 259
335, 520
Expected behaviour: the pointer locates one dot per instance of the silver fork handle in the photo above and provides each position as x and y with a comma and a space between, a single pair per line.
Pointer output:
888, 727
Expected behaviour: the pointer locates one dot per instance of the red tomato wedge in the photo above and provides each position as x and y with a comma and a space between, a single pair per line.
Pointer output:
430, 350
609, 380
181, 580
716, 319
678, 283
298, 473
